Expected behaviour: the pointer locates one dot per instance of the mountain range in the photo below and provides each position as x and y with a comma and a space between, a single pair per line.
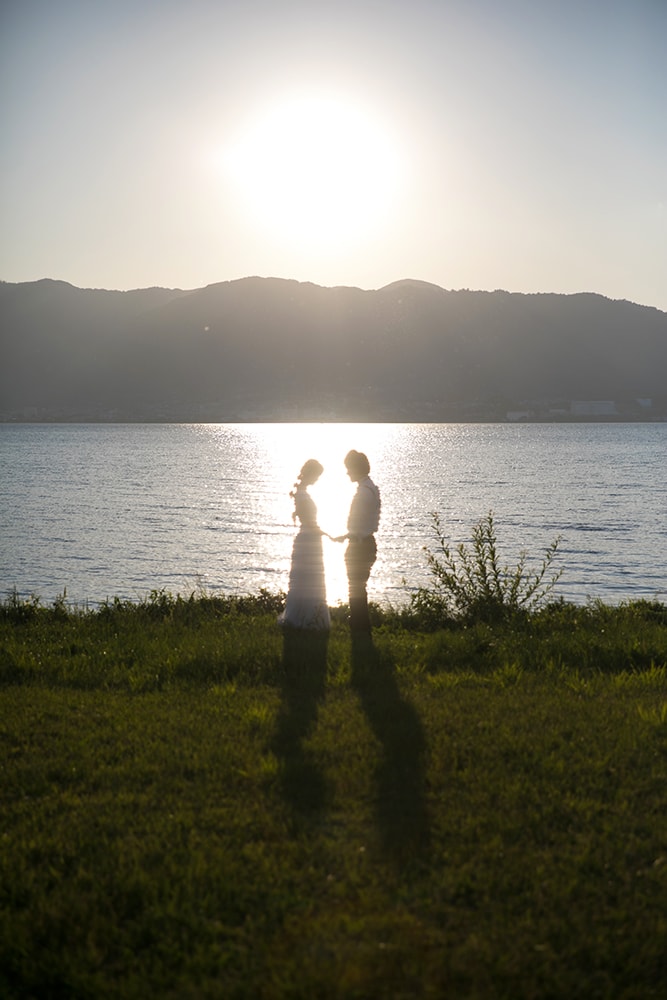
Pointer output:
276, 349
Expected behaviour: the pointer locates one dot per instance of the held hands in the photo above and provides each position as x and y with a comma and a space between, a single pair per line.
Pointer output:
336, 538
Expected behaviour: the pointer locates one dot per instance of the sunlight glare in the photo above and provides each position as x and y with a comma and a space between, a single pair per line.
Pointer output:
315, 169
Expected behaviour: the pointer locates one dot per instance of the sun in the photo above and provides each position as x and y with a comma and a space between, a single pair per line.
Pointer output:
315, 169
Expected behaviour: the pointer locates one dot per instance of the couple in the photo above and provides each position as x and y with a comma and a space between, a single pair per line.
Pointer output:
306, 606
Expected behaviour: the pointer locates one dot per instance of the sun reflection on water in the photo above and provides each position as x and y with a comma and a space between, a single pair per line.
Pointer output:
274, 454
120, 510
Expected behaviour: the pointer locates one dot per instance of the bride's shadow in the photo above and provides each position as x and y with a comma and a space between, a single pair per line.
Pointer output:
304, 668
401, 810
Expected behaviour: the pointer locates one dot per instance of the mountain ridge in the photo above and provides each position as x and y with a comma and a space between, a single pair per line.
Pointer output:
396, 284
276, 348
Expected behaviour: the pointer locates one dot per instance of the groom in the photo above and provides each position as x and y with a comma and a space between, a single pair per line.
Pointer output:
362, 523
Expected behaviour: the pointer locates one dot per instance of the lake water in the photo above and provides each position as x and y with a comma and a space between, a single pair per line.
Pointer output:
105, 510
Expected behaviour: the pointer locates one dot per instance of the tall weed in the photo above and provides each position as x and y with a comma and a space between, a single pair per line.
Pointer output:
469, 583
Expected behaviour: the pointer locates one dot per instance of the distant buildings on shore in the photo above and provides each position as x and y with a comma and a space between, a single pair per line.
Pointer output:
585, 409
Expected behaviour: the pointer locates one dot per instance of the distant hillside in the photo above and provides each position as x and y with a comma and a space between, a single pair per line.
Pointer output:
272, 349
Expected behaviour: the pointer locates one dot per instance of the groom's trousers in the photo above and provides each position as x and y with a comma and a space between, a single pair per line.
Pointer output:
359, 558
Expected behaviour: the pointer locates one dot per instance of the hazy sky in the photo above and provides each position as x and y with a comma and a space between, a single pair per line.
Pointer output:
517, 144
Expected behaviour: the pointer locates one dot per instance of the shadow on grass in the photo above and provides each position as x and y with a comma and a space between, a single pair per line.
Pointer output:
400, 800
303, 686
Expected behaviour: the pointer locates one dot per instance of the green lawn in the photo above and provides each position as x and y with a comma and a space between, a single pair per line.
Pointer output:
193, 806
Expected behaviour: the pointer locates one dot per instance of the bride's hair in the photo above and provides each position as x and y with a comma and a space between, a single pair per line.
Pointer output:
310, 470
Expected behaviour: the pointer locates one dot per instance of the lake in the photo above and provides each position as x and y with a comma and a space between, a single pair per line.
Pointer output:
105, 510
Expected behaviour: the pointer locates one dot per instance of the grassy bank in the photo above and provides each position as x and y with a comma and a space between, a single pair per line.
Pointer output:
195, 806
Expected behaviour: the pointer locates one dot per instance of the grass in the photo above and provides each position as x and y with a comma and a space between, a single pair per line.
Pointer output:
194, 805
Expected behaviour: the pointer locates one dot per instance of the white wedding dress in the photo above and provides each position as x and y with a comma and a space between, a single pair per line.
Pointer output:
306, 606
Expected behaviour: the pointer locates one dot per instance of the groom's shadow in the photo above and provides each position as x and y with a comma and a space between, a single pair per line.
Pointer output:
401, 810
304, 669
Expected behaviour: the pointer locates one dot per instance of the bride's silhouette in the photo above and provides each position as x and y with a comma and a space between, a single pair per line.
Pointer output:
306, 606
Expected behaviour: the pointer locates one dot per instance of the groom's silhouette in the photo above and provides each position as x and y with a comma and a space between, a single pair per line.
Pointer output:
361, 552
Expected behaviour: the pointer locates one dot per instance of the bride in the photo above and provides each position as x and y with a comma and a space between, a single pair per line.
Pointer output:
306, 606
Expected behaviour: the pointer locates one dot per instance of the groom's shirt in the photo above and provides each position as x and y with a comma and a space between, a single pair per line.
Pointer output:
365, 510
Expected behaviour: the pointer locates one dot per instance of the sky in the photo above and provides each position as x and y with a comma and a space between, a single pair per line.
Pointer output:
482, 144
